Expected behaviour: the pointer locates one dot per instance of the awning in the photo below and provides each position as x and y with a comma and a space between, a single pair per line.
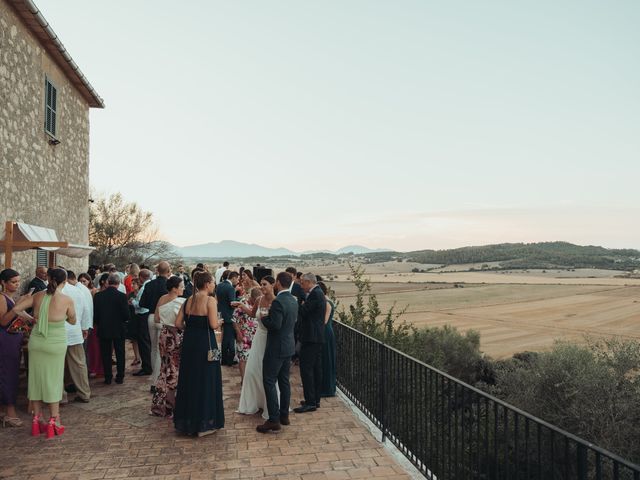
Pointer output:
75, 251
24, 234
19, 237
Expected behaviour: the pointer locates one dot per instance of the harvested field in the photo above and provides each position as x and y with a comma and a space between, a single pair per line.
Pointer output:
527, 314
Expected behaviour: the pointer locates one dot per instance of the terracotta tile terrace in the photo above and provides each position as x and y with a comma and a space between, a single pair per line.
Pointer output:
113, 436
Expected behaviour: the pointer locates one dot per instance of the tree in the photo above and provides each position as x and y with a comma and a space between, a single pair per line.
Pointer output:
123, 233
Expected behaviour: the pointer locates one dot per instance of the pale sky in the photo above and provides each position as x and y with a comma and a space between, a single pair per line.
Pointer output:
394, 124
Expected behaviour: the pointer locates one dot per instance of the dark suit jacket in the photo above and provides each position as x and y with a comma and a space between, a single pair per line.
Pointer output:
225, 294
110, 313
152, 293
311, 317
37, 284
298, 292
280, 322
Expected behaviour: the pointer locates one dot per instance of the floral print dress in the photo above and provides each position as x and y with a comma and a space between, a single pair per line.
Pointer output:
170, 343
248, 326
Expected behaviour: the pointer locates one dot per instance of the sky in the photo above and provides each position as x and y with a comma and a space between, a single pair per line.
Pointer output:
392, 124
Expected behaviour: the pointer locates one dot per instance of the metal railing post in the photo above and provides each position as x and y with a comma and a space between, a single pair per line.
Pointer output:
381, 389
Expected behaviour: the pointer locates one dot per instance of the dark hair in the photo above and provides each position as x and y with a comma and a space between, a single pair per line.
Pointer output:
318, 278
103, 279
71, 275
225, 264
247, 273
269, 279
200, 279
56, 276
284, 278
196, 270
200, 265
232, 275
173, 282
225, 275
85, 275
7, 274
298, 274
291, 270
91, 273
323, 287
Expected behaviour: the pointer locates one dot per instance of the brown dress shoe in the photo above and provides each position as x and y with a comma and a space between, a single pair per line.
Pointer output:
285, 420
268, 426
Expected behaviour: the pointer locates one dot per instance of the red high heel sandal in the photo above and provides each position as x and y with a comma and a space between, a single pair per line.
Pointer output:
54, 428
37, 426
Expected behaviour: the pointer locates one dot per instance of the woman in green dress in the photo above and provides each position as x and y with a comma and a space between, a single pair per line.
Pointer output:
47, 349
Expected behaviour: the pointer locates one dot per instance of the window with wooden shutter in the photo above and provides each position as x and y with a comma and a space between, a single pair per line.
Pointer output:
50, 107
42, 258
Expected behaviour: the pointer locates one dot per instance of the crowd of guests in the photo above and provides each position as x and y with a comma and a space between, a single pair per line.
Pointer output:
76, 328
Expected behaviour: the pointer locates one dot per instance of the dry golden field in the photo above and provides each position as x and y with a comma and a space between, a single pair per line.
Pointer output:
513, 311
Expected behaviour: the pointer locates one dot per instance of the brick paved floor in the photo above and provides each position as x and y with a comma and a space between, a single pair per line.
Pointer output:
114, 437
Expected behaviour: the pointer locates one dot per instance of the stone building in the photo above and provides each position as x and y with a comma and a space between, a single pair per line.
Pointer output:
44, 138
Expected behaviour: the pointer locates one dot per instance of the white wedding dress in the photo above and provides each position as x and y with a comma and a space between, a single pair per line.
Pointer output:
252, 396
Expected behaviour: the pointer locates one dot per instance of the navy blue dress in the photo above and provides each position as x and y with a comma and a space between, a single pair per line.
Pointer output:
328, 388
199, 405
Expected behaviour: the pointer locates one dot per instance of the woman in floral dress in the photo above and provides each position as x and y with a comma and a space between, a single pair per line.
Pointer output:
245, 326
164, 397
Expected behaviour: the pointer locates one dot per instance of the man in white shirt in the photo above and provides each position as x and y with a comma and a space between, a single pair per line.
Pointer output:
220, 271
76, 360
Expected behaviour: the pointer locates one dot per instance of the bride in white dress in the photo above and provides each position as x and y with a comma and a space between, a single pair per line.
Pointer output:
252, 396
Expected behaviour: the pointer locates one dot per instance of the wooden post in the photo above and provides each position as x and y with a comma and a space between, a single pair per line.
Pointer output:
8, 244
52, 260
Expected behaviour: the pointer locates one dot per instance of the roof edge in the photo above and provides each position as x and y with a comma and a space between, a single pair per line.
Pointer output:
97, 102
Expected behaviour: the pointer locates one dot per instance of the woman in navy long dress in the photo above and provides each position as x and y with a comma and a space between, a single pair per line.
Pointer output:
328, 385
199, 409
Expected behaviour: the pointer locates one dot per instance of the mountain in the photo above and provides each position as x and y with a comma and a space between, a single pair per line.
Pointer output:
233, 249
359, 249
229, 249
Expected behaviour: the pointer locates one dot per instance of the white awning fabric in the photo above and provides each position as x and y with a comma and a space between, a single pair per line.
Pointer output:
23, 232
75, 251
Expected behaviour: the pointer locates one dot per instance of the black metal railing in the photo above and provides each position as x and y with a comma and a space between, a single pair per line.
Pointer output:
451, 430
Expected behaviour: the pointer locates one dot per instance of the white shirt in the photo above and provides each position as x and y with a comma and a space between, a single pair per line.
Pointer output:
218, 274
87, 320
74, 332
136, 301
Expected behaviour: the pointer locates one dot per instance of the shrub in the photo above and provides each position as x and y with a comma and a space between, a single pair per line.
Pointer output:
591, 391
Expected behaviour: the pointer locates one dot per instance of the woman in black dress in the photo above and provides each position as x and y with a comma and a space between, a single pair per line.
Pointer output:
199, 410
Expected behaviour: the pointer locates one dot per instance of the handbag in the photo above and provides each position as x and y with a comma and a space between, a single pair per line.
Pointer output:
20, 325
213, 354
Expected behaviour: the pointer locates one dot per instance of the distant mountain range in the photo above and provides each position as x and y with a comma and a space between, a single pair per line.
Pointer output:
233, 249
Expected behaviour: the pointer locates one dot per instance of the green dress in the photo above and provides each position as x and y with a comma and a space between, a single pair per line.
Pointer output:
47, 349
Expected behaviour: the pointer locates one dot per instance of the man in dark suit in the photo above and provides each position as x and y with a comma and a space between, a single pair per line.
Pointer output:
311, 332
39, 282
110, 315
295, 288
149, 300
225, 294
277, 355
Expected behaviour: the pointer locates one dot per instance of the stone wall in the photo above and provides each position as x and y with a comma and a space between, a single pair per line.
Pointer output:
40, 184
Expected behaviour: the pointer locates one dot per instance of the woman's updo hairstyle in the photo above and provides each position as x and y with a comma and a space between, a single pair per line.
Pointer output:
200, 279
173, 282
56, 276
269, 279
